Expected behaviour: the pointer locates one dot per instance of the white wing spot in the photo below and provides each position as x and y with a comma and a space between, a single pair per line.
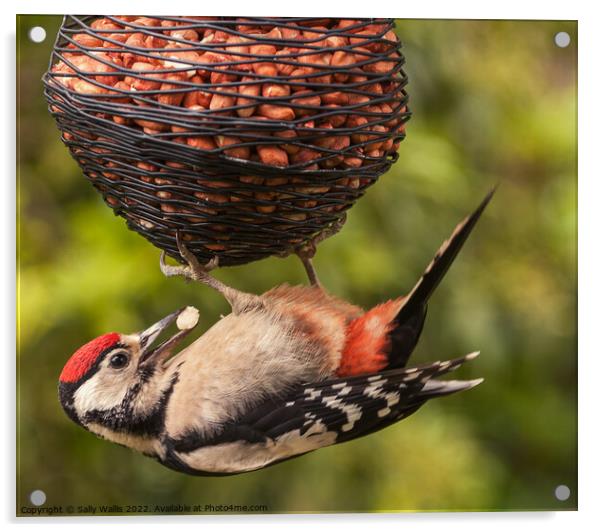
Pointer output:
351, 411
311, 393
376, 392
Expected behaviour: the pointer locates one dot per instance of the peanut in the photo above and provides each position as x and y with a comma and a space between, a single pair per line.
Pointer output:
201, 143
267, 69
284, 68
376, 144
202, 98
181, 60
173, 98
276, 112
290, 134
221, 101
251, 91
275, 90
305, 155
212, 197
251, 179
239, 152
306, 98
275, 181
88, 41
337, 97
335, 120
352, 162
85, 87
119, 37
272, 155
380, 67
342, 59
219, 76
152, 41
189, 35
347, 25
143, 83
138, 40
149, 22
295, 216
359, 123
105, 25
265, 196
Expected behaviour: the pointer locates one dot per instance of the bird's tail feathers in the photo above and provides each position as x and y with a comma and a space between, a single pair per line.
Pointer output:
440, 264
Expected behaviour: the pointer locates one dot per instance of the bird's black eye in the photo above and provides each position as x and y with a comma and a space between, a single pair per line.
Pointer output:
119, 360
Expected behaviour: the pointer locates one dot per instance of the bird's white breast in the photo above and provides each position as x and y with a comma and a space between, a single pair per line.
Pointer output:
240, 361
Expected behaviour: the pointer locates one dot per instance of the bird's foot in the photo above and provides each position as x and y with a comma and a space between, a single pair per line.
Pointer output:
194, 270
307, 251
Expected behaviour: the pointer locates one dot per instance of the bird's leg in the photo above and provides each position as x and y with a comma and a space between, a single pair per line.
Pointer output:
195, 271
307, 251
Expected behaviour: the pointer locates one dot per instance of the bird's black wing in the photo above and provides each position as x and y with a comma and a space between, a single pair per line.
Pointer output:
336, 410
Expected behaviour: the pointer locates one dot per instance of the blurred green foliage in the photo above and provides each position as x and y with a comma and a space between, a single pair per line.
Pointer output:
493, 102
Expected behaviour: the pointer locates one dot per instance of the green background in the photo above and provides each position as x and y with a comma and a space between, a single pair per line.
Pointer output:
493, 102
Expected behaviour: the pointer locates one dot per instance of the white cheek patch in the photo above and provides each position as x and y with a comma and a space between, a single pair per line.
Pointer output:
100, 393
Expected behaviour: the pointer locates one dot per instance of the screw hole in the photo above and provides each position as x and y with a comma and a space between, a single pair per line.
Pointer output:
562, 39
562, 492
37, 497
37, 34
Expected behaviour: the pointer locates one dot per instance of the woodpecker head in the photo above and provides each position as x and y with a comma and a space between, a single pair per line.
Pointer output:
118, 383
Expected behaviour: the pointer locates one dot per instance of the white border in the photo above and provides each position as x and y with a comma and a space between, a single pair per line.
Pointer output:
590, 224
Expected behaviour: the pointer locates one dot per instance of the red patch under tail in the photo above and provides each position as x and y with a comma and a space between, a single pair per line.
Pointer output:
367, 344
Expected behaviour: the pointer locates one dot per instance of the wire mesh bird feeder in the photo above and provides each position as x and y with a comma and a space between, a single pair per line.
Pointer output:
248, 136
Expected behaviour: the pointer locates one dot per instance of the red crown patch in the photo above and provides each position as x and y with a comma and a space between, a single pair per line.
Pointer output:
83, 359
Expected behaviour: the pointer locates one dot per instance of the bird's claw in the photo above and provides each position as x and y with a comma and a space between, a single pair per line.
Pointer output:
307, 251
194, 270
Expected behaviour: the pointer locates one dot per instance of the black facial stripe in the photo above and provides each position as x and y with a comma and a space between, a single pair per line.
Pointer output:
122, 418
66, 392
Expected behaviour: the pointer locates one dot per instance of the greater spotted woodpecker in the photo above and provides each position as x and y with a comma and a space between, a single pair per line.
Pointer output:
287, 372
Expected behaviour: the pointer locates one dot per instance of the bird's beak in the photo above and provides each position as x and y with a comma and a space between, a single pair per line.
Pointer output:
163, 350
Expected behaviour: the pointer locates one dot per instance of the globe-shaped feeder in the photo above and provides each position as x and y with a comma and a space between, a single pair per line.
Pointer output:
247, 136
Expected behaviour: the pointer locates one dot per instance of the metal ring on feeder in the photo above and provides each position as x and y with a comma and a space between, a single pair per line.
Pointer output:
248, 135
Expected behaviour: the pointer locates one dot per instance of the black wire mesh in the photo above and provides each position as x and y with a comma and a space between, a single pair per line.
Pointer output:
249, 136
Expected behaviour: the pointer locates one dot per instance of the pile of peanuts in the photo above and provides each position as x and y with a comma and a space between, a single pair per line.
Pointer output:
300, 95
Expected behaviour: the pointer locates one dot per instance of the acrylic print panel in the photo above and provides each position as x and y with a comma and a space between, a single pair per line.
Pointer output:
492, 102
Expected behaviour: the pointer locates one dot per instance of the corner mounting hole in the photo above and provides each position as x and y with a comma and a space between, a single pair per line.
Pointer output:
562, 39
37, 34
562, 492
37, 497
